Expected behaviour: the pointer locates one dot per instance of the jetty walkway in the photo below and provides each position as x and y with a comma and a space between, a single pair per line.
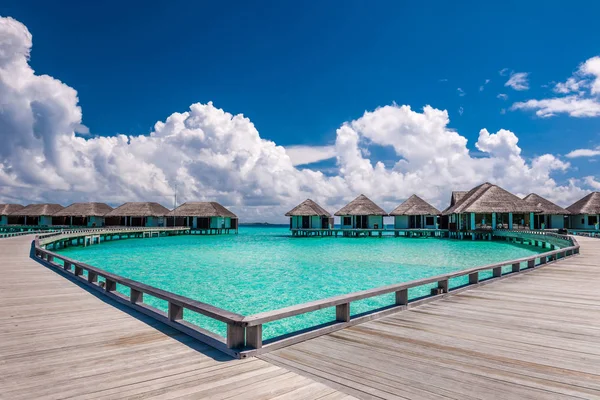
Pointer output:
59, 340
532, 336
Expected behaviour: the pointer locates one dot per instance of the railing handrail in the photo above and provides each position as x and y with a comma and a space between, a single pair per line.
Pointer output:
191, 304
269, 316
244, 333
13, 234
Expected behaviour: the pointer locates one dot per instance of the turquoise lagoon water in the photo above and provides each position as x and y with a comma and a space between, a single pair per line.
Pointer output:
263, 269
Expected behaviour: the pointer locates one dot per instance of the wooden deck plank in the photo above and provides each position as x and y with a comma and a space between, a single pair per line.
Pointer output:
533, 336
58, 340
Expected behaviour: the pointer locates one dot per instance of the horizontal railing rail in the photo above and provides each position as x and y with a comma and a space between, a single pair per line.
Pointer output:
73, 233
592, 234
245, 333
13, 234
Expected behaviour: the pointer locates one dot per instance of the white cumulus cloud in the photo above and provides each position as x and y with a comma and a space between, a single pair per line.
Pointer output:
302, 155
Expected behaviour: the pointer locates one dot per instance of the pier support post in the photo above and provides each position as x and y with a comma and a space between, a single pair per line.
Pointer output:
254, 336
175, 312
136, 296
516, 267
235, 336
402, 297
342, 312
110, 285
473, 278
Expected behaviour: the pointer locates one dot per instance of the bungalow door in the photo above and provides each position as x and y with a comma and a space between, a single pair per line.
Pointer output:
305, 222
362, 221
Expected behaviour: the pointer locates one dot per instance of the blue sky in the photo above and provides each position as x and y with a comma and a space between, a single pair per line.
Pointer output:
298, 71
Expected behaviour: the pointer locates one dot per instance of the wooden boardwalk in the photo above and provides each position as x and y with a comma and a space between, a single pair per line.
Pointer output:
533, 336
57, 341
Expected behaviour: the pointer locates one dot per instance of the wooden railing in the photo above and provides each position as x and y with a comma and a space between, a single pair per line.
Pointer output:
89, 275
12, 234
244, 333
592, 234
73, 233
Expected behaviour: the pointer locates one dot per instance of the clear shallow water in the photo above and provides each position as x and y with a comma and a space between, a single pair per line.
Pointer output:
263, 269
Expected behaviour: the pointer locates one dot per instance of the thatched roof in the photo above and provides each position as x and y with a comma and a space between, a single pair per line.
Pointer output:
137, 209
415, 205
38, 210
201, 209
455, 197
590, 204
307, 208
488, 198
6, 209
546, 206
84, 210
361, 205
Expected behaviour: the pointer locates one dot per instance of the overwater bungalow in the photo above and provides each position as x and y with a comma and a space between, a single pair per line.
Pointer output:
309, 215
361, 213
454, 198
585, 213
209, 216
137, 214
6, 218
488, 206
85, 214
551, 216
415, 213
39, 215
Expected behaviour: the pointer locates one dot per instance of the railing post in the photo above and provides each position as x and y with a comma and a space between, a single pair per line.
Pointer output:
531, 263
497, 272
235, 336
474, 278
136, 296
67, 266
78, 270
110, 285
175, 312
542, 260
444, 286
49, 258
402, 297
254, 336
92, 277
516, 267
342, 312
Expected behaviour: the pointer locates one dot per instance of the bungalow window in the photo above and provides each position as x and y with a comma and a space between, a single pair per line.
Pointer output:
429, 221
592, 219
347, 221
